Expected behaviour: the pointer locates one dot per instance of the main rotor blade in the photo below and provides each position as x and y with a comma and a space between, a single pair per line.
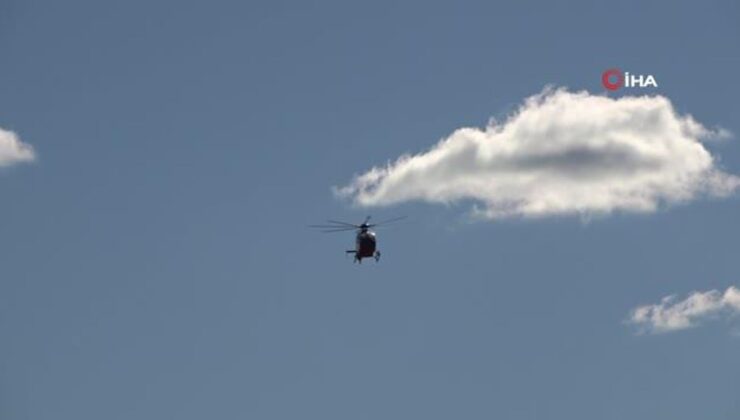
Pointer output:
342, 223
333, 226
385, 222
367, 219
338, 230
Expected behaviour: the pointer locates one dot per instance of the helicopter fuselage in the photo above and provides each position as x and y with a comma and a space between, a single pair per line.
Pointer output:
365, 244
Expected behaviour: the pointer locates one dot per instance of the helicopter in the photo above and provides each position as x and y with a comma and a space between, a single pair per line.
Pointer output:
365, 241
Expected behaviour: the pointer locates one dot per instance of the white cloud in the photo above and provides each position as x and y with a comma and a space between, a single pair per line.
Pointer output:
671, 315
561, 153
13, 150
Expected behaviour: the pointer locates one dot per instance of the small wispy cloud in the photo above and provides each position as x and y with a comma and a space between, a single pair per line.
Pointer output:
672, 314
13, 150
561, 153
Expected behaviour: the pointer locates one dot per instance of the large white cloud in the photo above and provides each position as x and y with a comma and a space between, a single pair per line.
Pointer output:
671, 314
561, 153
13, 150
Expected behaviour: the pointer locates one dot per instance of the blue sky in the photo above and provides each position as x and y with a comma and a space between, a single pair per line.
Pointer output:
156, 261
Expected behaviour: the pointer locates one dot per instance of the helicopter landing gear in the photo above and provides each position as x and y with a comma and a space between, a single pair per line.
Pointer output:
377, 256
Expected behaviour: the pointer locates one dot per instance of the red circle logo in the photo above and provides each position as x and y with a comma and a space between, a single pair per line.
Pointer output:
610, 74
